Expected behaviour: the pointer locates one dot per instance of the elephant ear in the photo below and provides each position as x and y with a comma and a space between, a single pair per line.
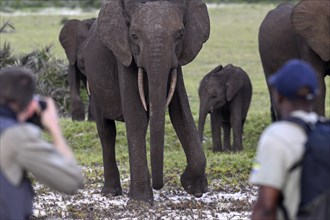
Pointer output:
197, 30
113, 30
235, 81
72, 36
89, 22
311, 20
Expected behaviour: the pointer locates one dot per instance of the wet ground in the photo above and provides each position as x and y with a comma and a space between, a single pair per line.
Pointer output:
171, 202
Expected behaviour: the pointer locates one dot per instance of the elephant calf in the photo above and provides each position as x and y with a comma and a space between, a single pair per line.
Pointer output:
225, 93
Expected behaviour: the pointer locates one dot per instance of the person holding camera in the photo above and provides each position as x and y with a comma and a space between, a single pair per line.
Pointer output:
24, 151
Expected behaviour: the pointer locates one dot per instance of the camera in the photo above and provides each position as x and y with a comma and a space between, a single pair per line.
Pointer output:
42, 104
35, 119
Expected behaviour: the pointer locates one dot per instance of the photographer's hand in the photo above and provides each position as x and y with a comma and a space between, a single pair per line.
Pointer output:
50, 121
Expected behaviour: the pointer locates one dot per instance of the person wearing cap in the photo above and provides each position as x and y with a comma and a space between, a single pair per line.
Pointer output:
293, 88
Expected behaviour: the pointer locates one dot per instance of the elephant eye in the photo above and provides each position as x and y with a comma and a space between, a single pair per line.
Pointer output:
134, 36
213, 94
179, 36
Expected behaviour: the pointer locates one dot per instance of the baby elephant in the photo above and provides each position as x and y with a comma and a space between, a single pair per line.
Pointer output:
225, 93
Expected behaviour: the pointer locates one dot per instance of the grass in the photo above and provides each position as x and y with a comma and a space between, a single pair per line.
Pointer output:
233, 39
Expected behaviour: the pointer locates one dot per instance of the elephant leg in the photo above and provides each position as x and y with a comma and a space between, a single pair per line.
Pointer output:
273, 112
90, 116
308, 55
226, 136
236, 124
216, 131
136, 121
107, 132
193, 179
77, 106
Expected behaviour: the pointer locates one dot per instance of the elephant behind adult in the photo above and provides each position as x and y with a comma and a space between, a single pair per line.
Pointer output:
73, 39
300, 31
133, 63
225, 93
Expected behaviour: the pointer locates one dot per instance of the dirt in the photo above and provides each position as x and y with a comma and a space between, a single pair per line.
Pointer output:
171, 202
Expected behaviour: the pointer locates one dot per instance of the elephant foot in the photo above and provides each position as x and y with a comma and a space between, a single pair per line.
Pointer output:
194, 185
146, 196
90, 117
110, 191
78, 116
133, 204
228, 149
217, 149
78, 112
237, 148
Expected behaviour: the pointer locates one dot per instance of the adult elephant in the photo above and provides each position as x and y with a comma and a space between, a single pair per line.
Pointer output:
133, 64
73, 39
300, 31
225, 93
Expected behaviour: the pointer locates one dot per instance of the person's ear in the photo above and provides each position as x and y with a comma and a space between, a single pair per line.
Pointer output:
280, 98
33, 107
277, 98
28, 112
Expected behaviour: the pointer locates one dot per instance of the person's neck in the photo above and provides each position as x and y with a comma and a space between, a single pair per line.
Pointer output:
288, 109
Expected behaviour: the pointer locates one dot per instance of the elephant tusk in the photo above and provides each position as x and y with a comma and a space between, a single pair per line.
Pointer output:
88, 91
172, 87
141, 90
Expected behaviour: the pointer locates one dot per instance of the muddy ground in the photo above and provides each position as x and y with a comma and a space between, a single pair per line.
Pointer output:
171, 202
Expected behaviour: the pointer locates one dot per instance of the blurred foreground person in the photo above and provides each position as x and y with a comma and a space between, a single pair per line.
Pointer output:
23, 151
284, 148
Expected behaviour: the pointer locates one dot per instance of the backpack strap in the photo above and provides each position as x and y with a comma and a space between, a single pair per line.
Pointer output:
307, 127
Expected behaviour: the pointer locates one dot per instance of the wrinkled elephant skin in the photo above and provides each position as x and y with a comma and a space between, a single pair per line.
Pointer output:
300, 31
133, 60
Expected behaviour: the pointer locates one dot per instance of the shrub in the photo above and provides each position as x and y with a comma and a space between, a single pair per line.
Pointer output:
51, 73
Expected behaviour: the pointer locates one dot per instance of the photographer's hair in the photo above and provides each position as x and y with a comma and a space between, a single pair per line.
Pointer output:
17, 86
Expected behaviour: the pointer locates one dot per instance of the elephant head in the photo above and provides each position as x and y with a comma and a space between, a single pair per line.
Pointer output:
311, 21
156, 38
73, 36
217, 89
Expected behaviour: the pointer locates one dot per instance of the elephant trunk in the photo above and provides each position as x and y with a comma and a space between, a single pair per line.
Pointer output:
157, 82
174, 77
201, 121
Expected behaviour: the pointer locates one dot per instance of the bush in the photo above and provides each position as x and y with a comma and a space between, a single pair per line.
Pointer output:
51, 73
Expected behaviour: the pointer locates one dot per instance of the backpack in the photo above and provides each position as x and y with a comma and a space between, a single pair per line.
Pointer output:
15, 201
315, 176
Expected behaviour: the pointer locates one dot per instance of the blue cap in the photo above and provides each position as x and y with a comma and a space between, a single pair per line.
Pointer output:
291, 77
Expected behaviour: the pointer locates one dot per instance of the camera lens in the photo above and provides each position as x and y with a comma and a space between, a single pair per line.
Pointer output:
42, 104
